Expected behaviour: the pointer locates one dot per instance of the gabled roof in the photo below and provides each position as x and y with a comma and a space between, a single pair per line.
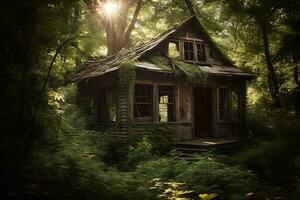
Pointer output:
96, 67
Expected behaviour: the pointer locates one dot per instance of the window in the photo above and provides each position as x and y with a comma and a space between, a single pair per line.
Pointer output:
223, 104
107, 106
174, 49
188, 51
234, 99
201, 56
166, 105
143, 103
189, 54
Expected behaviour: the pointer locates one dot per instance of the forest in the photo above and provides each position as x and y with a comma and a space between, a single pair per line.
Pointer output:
49, 148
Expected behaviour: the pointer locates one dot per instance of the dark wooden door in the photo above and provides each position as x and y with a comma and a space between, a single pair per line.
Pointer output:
202, 112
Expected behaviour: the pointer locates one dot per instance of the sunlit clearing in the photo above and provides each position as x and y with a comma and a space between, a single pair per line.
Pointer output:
110, 8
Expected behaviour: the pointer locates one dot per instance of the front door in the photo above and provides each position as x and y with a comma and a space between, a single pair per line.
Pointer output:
202, 112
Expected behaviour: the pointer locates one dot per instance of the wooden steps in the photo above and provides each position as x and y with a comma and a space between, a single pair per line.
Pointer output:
189, 149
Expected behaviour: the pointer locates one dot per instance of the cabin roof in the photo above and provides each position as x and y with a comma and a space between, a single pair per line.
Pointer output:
97, 66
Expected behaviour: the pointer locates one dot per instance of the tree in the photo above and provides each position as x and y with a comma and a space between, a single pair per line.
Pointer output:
117, 29
262, 12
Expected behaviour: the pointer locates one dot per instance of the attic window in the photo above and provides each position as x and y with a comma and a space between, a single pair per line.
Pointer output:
188, 51
143, 103
194, 51
201, 56
173, 49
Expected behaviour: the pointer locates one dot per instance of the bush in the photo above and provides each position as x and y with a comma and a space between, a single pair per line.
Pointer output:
275, 144
143, 151
163, 138
205, 175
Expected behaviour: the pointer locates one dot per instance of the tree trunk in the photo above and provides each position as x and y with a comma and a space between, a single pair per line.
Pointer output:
117, 35
273, 82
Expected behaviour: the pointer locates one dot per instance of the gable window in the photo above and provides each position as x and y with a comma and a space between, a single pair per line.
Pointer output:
166, 103
201, 56
143, 103
188, 51
173, 49
194, 51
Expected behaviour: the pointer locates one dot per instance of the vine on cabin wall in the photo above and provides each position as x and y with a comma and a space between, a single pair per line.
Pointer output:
127, 73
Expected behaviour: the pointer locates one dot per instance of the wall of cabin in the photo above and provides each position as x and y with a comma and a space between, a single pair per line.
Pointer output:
184, 124
127, 129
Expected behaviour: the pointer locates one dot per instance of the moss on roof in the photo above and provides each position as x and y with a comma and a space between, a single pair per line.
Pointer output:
192, 71
180, 68
162, 62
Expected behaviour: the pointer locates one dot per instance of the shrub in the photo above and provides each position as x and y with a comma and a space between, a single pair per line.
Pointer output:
275, 146
162, 138
205, 175
141, 152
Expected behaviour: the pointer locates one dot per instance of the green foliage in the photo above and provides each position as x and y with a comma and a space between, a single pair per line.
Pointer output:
207, 196
205, 175
272, 142
170, 190
127, 73
162, 137
162, 62
193, 72
141, 152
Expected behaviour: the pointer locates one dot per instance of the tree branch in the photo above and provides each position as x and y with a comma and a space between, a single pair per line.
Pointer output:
128, 31
58, 49
190, 7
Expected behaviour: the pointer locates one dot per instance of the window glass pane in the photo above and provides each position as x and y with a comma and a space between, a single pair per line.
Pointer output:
201, 56
166, 103
143, 100
188, 50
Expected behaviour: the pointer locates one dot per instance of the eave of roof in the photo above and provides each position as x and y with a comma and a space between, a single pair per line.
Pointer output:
213, 70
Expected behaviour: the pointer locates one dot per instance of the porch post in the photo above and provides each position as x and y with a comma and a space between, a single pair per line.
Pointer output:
214, 112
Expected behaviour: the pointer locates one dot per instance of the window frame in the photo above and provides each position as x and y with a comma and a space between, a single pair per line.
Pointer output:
151, 102
172, 103
155, 104
106, 105
188, 51
229, 105
195, 50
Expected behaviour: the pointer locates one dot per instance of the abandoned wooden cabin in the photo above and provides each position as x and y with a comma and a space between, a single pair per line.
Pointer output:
180, 79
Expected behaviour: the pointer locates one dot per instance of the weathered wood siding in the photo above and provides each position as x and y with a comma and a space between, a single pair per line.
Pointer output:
185, 99
121, 132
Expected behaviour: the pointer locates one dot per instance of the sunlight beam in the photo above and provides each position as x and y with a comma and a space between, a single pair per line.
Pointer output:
110, 8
